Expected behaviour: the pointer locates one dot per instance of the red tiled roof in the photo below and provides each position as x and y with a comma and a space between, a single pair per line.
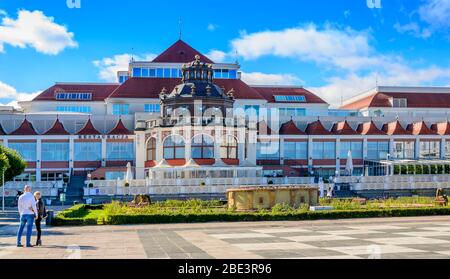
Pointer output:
99, 91
269, 94
317, 128
414, 100
57, 129
25, 129
420, 128
395, 128
151, 87
442, 129
289, 128
343, 128
88, 129
120, 129
180, 52
263, 129
369, 129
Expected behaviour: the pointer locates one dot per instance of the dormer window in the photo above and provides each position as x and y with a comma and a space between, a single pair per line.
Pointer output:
399, 102
73, 96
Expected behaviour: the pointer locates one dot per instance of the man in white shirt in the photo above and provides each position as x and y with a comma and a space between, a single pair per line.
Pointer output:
28, 211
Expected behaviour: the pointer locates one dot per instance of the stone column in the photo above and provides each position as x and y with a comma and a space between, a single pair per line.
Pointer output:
338, 156
251, 146
104, 151
71, 153
443, 151
159, 147
391, 147
417, 149
365, 148
310, 154
140, 153
188, 145
38, 159
281, 151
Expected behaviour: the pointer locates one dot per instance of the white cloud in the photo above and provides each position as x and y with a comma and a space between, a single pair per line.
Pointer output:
342, 88
109, 66
36, 30
347, 13
436, 13
217, 56
3, 13
212, 27
414, 29
257, 78
10, 94
345, 48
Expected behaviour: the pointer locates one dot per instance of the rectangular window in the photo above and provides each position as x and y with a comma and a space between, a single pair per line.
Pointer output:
88, 151
296, 150
252, 110
152, 73
268, 150
290, 99
120, 109
167, 73
27, 150
377, 150
160, 72
233, 74
430, 149
355, 146
152, 108
136, 72
217, 73
55, 151
324, 150
404, 150
399, 102
175, 73
77, 109
119, 151
144, 72
114, 175
80, 96
447, 149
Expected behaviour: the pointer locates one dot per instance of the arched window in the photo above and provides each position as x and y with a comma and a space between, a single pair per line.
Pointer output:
229, 148
202, 147
174, 148
151, 150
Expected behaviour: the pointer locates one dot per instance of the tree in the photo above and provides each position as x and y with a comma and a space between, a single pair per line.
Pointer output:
16, 164
4, 165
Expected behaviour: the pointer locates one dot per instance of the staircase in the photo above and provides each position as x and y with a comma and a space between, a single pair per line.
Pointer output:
75, 190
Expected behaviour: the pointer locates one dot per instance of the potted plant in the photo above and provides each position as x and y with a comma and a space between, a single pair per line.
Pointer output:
127, 185
91, 185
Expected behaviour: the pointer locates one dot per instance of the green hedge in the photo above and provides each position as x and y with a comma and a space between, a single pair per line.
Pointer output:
76, 216
250, 217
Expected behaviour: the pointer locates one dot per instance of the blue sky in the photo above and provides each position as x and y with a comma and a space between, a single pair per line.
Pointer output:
335, 48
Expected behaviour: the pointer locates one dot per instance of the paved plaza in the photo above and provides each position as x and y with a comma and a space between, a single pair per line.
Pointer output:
424, 237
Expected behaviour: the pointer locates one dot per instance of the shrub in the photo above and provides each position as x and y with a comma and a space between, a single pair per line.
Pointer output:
426, 169
411, 169
447, 169
404, 170
396, 170
419, 169
433, 169
91, 185
440, 169
127, 185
